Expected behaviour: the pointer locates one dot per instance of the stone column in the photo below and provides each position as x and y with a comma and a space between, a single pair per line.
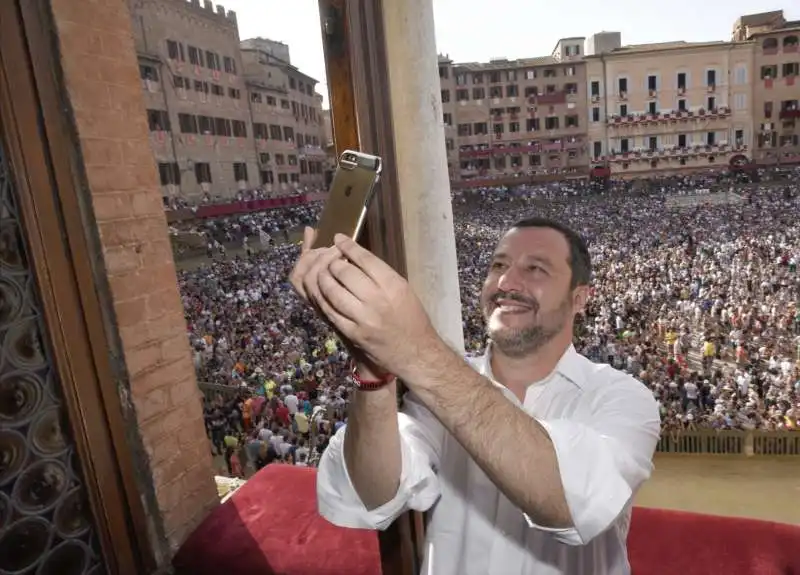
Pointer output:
423, 180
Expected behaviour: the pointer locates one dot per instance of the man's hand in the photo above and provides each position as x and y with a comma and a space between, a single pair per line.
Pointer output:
370, 304
303, 277
304, 280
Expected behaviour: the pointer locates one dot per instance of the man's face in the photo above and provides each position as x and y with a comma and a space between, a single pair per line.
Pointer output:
526, 298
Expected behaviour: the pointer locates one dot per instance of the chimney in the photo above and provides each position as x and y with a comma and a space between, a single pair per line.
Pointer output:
221, 10
208, 5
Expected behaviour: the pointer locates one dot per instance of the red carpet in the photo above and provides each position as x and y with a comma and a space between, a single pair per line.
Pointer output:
271, 526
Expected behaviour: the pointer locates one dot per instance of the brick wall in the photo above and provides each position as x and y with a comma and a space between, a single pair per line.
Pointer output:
104, 91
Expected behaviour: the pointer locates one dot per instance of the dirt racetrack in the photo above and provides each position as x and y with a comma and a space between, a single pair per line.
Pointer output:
757, 487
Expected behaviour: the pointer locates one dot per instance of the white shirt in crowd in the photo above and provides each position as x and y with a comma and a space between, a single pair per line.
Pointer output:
604, 426
291, 402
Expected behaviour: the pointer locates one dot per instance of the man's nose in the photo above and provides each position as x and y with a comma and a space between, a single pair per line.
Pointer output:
511, 280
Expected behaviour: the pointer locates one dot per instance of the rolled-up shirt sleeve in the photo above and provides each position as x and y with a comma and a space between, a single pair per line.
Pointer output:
421, 438
603, 458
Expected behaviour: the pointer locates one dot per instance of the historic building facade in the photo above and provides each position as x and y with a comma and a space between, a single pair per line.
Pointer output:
224, 115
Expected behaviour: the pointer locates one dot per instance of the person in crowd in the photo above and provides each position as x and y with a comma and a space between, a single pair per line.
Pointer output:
672, 267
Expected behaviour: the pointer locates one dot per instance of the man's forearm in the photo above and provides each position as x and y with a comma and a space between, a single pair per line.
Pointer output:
372, 445
511, 447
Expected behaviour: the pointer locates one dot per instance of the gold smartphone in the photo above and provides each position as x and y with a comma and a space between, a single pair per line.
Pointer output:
348, 198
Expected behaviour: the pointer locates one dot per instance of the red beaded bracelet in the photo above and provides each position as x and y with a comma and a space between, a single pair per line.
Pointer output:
370, 385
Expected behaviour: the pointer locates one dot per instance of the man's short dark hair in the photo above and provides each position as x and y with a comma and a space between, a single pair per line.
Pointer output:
580, 262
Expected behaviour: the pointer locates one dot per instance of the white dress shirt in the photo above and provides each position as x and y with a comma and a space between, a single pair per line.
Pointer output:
604, 426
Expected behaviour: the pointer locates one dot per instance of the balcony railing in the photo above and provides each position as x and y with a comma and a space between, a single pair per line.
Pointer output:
789, 114
554, 98
531, 148
669, 117
698, 150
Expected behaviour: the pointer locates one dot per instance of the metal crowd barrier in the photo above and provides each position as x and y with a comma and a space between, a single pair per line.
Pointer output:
731, 442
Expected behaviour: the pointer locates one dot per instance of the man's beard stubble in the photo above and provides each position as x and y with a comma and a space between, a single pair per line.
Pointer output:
519, 342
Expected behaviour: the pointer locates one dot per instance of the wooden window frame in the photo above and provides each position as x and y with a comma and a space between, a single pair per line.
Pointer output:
40, 142
355, 61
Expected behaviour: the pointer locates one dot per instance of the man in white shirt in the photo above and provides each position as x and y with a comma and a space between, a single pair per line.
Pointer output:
529, 457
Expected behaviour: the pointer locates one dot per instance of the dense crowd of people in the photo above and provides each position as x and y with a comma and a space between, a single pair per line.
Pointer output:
698, 302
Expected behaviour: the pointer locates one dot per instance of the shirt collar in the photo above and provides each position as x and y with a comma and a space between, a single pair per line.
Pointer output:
569, 366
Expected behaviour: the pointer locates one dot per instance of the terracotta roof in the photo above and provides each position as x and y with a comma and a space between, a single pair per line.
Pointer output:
510, 64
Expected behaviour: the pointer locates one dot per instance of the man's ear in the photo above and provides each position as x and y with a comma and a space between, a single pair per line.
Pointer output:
579, 297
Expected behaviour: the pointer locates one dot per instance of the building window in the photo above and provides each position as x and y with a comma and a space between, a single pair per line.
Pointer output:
711, 78
711, 103
769, 72
170, 174
623, 110
234, 93
195, 56
187, 123
202, 172
462, 95
275, 132
212, 60
205, 125
303, 167
653, 143
740, 75
738, 137
551, 123
445, 96
624, 145
158, 121
532, 124
444, 73
283, 179
595, 88
479, 93
791, 69
175, 50
513, 127
266, 177
767, 109
530, 74
494, 77
682, 81
571, 121
240, 172
651, 108
263, 157
622, 85
512, 91
477, 78
652, 83
229, 64
595, 114
681, 140
447, 119
288, 133
148, 73
710, 138
217, 90
239, 129
598, 149
291, 159
681, 105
